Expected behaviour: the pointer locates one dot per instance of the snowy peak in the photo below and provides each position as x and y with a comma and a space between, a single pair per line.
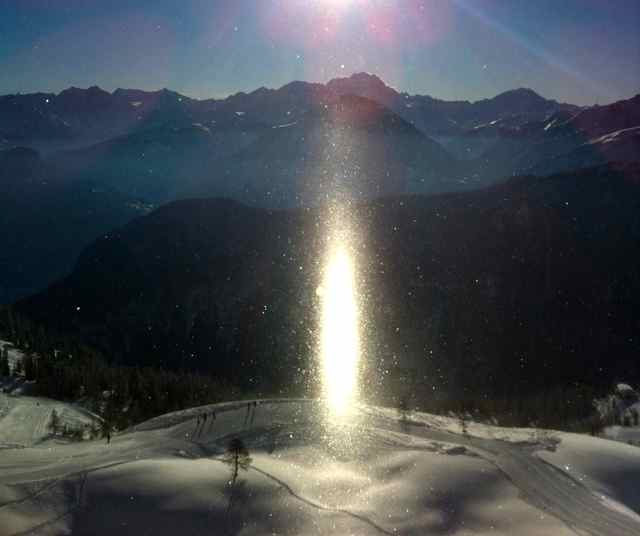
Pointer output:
78, 91
93, 93
600, 120
361, 79
364, 85
522, 94
95, 114
522, 101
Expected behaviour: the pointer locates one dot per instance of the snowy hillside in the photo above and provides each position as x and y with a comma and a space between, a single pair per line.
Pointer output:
25, 420
14, 355
375, 475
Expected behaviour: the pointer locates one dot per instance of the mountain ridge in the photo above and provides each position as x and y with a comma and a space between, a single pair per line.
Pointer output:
478, 278
355, 76
124, 108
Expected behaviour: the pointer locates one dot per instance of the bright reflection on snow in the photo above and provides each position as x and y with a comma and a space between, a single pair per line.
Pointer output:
340, 345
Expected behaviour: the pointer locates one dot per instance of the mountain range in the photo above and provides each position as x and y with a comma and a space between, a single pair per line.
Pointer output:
85, 161
95, 114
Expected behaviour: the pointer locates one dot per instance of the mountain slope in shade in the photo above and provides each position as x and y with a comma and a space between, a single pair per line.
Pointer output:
46, 221
440, 117
82, 116
353, 146
599, 120
613, 148
593, 136
351, 143
156, 163
530, 285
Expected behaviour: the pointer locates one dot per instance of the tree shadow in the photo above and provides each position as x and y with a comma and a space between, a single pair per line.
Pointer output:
237, 494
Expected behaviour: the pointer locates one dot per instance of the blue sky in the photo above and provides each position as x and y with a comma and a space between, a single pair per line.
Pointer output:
581, 51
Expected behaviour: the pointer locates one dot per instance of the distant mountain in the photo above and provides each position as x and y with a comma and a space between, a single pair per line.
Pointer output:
107, 156
77, 118
95, 115
84, 116
365, 85
348, 142
498, 129
526, 286
593, 136
611, 148
45, 221
352, 146
156, 163
597, 121
441, 118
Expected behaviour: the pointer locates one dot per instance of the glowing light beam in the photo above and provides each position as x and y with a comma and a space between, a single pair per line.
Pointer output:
340, 344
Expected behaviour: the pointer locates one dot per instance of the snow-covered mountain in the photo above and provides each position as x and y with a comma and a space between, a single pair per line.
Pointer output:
95, 114
353, 146
441, 117
564, 141
508, 134
285, 147
352, 141
83, 116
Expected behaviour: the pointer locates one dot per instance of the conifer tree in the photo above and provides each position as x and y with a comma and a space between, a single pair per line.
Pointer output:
18, 368
29, 367
237, 456
54, 423
5, 370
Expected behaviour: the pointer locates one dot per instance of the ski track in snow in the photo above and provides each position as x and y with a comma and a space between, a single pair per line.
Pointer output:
544, 486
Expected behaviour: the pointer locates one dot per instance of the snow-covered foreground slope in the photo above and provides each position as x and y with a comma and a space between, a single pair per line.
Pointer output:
373, 475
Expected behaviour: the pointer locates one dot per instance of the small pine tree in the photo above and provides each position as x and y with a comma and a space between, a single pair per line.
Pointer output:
237, 456
29, 367
106, 429
95, 430
403, 409
463, 423
54, 422
18, 368
5, 370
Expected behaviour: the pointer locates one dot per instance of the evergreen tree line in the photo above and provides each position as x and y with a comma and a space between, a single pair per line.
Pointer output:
66, 369
569, 407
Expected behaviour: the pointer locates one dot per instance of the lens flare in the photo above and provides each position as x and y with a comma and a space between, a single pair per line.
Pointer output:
340, 344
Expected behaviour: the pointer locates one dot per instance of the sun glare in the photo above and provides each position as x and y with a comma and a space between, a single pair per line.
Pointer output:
340, 338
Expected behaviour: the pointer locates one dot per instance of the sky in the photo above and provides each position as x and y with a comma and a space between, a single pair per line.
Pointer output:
579, 51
